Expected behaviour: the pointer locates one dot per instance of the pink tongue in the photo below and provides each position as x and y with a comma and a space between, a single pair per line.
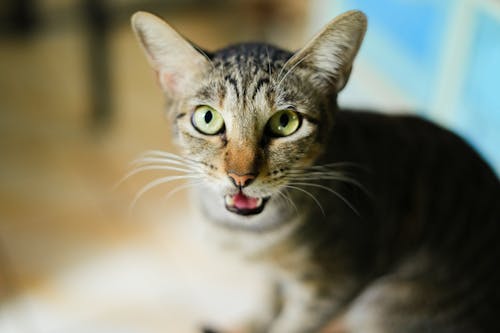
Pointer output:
241, 201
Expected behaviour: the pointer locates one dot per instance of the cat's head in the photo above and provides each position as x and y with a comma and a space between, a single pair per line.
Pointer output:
250, 115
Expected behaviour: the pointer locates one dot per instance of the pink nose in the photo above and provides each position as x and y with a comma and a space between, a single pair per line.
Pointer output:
241, 180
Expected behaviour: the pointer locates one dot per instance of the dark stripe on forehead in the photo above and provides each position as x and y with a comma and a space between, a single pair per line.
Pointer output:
205, 92
222, 93
259, 85
258, 55
244, 87
233, 82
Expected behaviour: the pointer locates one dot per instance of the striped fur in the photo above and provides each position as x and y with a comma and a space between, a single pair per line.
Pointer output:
372, 224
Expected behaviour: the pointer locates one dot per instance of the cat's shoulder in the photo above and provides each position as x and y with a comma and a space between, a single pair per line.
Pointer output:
403, 125
362, 117
392, 136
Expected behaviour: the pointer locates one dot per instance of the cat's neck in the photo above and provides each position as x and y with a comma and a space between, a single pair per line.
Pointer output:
244, 235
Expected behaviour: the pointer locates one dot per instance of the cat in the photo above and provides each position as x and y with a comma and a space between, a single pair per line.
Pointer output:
366, 222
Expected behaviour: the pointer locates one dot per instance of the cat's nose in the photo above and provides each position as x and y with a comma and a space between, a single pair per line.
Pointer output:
241, 180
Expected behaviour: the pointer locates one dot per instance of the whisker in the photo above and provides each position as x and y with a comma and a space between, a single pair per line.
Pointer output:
149, 160
204, 54
291, 70
331, 171
167, 155
157, 152
157, 182
319, 174
281, 72
340, 196
288, 200
148, 167
326, 176
180, 188
268, 63
337, 165
309, 194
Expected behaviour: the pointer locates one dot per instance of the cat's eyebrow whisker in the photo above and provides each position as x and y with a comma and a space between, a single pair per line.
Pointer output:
268, 63
290, 70
308, 194
340, 196
204, 54
158, 182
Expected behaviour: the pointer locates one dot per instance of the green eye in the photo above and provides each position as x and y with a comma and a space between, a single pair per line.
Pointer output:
283, 123
206, 120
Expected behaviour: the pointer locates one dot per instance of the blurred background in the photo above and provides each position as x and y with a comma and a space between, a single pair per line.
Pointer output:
78, 102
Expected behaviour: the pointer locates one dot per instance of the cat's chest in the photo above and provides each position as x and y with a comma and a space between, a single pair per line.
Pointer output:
264, 245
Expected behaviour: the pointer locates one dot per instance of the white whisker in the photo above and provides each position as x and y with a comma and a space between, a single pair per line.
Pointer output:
167, 156
204, 55
288, 200
340, 196
290, 70
149, 160
336, 165
158, 182
268, 63
182, 187
149, 167
156, 152
309, 194
327, 176
329, 171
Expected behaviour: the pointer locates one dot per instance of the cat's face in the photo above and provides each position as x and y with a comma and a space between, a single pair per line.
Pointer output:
251, 116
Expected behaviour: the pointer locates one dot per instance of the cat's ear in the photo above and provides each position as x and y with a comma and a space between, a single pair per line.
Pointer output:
330, 54
176, 61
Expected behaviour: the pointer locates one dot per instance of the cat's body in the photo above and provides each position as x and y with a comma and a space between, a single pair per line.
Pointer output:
377, 223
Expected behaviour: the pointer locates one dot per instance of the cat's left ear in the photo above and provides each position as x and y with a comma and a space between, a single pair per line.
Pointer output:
330, 54
176, 61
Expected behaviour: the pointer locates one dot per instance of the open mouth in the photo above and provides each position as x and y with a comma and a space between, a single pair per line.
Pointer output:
242, 204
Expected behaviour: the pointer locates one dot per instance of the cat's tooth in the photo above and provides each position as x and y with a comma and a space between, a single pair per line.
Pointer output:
229, 200
259, 202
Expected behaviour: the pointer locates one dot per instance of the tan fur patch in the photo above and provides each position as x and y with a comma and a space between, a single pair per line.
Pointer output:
240, 160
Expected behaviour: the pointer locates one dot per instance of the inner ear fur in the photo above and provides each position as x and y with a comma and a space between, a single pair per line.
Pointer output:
176, 61
330, 53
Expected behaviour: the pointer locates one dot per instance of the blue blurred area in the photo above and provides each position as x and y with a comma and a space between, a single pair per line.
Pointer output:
416, 26
479, 116
440, 59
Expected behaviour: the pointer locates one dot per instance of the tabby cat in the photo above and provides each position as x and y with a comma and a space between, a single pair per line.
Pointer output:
367, 223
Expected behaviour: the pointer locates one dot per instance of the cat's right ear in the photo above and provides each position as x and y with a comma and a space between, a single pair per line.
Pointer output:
176, 62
